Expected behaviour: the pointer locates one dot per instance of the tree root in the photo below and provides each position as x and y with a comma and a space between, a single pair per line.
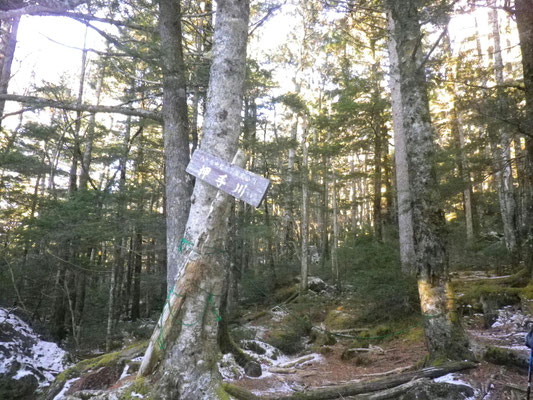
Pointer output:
362, 390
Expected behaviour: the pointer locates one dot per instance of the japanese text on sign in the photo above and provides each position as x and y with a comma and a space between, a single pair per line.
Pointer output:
237, 182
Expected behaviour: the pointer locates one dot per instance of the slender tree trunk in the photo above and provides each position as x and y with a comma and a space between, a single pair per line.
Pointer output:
59, 306
376, 201
175, 132
187, 354
89, 136
443, 336
73, 174
459, 135
524, 22
111, 304
353, 198
501, 146
335, 244
405, 216
288, 216
8, 42
324, 216
136, 295
304, 270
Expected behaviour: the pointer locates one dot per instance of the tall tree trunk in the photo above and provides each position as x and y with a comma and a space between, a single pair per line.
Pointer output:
187, 354
524, 22
353, 198
443, 336
335, 244
73, 174
89, 136
175, 132
405, 216
304, 268
137, 268
501, 145
376, 200
459, 135
288, 215
8, 43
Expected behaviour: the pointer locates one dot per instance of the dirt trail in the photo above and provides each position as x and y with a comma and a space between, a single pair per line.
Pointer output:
489, 381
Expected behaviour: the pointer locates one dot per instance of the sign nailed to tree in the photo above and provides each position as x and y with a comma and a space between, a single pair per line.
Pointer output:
242, 184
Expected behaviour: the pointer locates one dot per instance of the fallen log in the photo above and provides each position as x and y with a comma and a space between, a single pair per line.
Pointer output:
357, 388
297, 361
387, 373
283, 370
389, 393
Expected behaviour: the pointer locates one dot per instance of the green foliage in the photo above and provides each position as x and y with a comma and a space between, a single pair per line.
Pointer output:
289, 336
373, 271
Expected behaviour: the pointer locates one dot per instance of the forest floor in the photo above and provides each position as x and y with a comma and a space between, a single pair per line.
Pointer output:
325, 366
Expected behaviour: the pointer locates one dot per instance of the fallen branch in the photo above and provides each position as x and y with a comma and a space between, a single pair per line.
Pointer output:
514, 387
370, 349
341, 331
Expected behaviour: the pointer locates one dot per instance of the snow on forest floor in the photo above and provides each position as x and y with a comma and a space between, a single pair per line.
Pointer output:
489, 381
23, 353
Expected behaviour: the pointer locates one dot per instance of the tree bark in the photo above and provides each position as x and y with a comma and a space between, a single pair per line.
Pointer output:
459, 135
524, 22
405, 216
187, 348
443, 335
304, 268
335, 244
7, 53
501, 145
89, 136
175, 132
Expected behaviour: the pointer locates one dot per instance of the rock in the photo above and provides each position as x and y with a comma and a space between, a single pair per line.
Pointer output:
27, 362
429, 390
18, 388
490, 310
253, 369
253, 346
316, 284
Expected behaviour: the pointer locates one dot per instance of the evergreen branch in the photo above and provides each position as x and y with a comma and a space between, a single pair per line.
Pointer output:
40, 102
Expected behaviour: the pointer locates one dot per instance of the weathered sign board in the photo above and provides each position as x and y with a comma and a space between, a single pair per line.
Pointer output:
235, 181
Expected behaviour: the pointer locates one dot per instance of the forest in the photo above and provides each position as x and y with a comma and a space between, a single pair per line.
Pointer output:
391, 256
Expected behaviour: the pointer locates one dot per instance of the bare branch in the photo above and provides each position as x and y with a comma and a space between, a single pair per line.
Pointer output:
40, 102
35, 9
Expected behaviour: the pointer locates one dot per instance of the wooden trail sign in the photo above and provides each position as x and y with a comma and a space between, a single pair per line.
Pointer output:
235, 181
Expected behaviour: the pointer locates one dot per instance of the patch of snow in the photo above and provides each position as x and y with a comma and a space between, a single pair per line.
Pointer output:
125, 372
136, 395
136, 359
278, 314
22, 373
42, 359
453, 378
66, 387
229, 369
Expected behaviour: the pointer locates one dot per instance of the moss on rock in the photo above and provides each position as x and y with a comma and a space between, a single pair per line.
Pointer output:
338, 320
